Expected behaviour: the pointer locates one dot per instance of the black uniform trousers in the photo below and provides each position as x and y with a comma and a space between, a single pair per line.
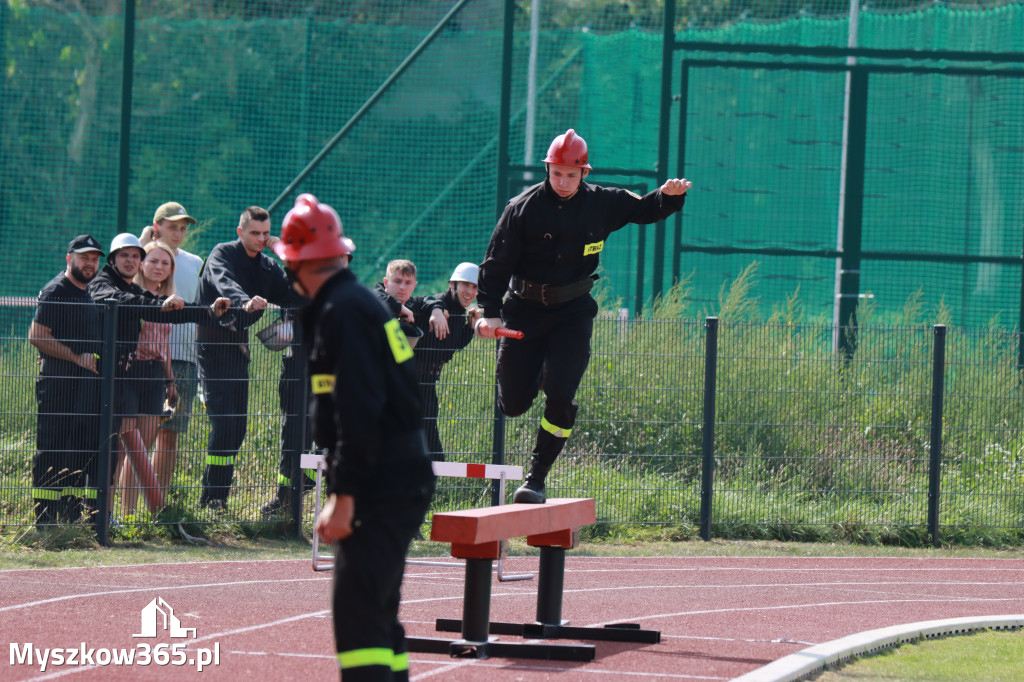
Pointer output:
554, 351
368, 570
428, 392
226, 386
66, 464
296, 434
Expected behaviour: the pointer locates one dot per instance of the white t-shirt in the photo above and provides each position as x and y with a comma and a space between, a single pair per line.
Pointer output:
186, 284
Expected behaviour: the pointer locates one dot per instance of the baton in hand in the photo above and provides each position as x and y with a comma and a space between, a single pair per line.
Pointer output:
508, 333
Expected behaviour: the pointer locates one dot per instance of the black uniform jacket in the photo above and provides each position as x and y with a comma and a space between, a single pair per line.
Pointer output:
230, 272
431, 352
419, 305
545, 239
365, 399
134, 305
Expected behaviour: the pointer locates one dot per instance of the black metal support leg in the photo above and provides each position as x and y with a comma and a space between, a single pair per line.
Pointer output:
476, 605
550, 584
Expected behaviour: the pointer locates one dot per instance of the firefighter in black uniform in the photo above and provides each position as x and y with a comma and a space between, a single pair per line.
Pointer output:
441, 339
366, 414
239, 271
67, 331
544, 252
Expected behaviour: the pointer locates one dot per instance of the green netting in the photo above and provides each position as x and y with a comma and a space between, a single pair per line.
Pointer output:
233, 99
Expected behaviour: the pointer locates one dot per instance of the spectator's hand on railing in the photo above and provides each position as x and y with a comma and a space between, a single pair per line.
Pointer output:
407, 315
255, 304
173, 302
220, 306
439, 323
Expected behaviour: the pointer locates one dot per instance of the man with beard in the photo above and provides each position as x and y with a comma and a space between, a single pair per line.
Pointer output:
68, 333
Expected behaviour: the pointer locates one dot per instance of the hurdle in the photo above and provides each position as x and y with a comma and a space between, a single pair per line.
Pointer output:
476, 535
499, 472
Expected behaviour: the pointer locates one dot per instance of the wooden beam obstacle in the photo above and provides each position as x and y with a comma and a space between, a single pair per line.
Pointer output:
476, 535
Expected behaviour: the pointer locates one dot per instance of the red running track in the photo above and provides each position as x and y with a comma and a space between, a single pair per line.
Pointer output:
719, 617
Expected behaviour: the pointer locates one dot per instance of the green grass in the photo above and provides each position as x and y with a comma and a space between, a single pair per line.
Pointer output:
990, 656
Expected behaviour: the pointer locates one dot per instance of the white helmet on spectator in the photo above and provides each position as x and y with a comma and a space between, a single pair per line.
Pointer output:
465, 272
123, 241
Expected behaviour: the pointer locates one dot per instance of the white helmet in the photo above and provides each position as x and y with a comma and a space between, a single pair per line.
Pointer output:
124, 241
465, 272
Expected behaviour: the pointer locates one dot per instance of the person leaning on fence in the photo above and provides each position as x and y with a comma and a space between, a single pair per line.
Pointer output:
239, 271
543, 253
441, 339
170, 224
395, 292
134, 379
67, 330
366, 414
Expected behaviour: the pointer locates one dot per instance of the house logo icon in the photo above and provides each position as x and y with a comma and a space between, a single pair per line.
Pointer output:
159, 612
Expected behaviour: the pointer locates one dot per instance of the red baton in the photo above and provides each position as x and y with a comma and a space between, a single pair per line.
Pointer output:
508, 333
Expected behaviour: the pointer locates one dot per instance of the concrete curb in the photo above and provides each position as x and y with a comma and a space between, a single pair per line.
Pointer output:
813, 659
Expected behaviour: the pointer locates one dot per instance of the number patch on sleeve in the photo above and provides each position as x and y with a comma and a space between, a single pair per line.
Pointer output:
400, 347
591, 249
321, 383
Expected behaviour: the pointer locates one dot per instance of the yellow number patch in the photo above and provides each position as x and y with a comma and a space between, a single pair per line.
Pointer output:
591, 249
322, 383
400, 347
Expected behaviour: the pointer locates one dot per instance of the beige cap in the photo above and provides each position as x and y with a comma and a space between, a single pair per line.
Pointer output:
172, 210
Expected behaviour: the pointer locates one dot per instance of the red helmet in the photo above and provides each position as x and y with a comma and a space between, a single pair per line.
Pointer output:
568, 150
311, 231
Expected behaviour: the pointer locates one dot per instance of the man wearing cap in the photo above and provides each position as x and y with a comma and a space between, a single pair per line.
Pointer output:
240, 271
170, 224
441, 339
68, 333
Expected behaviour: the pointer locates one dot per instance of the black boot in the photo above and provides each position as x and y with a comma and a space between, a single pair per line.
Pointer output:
532, 490
282, 501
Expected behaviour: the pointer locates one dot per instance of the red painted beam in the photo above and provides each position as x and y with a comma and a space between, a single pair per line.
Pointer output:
490, 524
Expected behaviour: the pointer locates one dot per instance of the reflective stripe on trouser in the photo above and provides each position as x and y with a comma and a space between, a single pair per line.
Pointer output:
369, 565
360, 658
558, 431
226, 386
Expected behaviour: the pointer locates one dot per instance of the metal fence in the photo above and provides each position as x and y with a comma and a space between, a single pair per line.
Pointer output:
712, 428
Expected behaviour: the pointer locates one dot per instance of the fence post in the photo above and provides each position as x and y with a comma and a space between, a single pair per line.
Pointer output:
708, 445
108, 364
935, 458
127, 82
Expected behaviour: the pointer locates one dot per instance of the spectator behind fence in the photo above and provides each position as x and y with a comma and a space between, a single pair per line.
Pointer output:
68, 333
114, 282
395, 292
241, 272
170, 225
441, 339
367, 415
285, 336
543, 254
154, 356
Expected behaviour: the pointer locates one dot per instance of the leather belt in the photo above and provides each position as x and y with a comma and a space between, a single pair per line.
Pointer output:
548, 294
